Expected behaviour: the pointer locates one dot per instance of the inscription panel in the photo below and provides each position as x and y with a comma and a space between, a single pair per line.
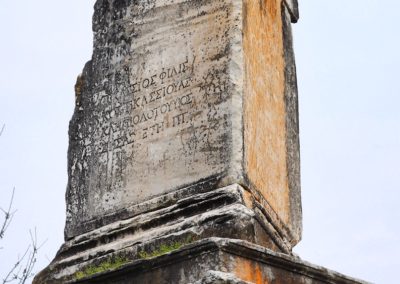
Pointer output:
156, 111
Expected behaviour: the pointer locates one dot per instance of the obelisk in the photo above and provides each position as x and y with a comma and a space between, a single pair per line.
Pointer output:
183, 160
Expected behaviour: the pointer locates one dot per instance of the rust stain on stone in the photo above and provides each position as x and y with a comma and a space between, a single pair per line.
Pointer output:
264, 104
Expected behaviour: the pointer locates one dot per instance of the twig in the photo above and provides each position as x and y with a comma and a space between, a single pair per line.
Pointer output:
11, 275
8, 216
2, 129
23, 267
22, 271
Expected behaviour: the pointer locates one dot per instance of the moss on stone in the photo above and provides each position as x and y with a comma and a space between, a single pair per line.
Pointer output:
114, 263
106, 265
164, 249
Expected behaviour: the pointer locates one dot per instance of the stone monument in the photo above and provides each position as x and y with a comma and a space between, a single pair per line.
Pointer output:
183, 161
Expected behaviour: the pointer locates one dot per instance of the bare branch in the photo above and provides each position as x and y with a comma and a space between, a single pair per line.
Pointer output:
8, 216
23, 268
13, 273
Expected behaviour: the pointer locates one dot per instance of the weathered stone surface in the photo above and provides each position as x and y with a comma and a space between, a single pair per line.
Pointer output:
185, 94
271, 146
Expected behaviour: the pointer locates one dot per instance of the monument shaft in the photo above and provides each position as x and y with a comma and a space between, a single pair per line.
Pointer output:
179, 93
184, 159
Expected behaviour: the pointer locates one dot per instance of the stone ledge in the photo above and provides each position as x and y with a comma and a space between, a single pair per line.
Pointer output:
230, 212
148, 206
244, 261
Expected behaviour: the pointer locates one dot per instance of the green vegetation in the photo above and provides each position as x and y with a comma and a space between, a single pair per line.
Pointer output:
113, 263
164, 249
106, 265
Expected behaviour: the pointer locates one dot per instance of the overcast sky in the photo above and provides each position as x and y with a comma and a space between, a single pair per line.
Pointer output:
348, 58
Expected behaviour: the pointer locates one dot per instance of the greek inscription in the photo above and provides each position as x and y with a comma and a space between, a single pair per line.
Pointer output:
130, 110
156, 95
179, 119
153, 130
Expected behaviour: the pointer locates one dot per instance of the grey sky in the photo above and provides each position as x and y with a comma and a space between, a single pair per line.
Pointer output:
347, 56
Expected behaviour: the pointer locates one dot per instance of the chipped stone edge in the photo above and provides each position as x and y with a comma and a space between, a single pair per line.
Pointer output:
293, 8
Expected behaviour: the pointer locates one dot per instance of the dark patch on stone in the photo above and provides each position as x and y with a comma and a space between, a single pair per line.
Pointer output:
293, 9
292, 121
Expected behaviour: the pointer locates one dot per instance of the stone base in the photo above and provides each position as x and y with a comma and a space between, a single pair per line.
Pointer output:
166, 223
218, 260
187, 238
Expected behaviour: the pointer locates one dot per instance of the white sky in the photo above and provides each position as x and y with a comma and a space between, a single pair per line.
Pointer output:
347, 56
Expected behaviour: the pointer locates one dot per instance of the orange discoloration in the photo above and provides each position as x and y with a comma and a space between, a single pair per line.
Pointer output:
258, 277
248, 199
264, 104
251, 272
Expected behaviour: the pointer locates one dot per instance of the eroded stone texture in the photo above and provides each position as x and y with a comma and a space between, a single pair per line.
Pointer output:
184, 94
